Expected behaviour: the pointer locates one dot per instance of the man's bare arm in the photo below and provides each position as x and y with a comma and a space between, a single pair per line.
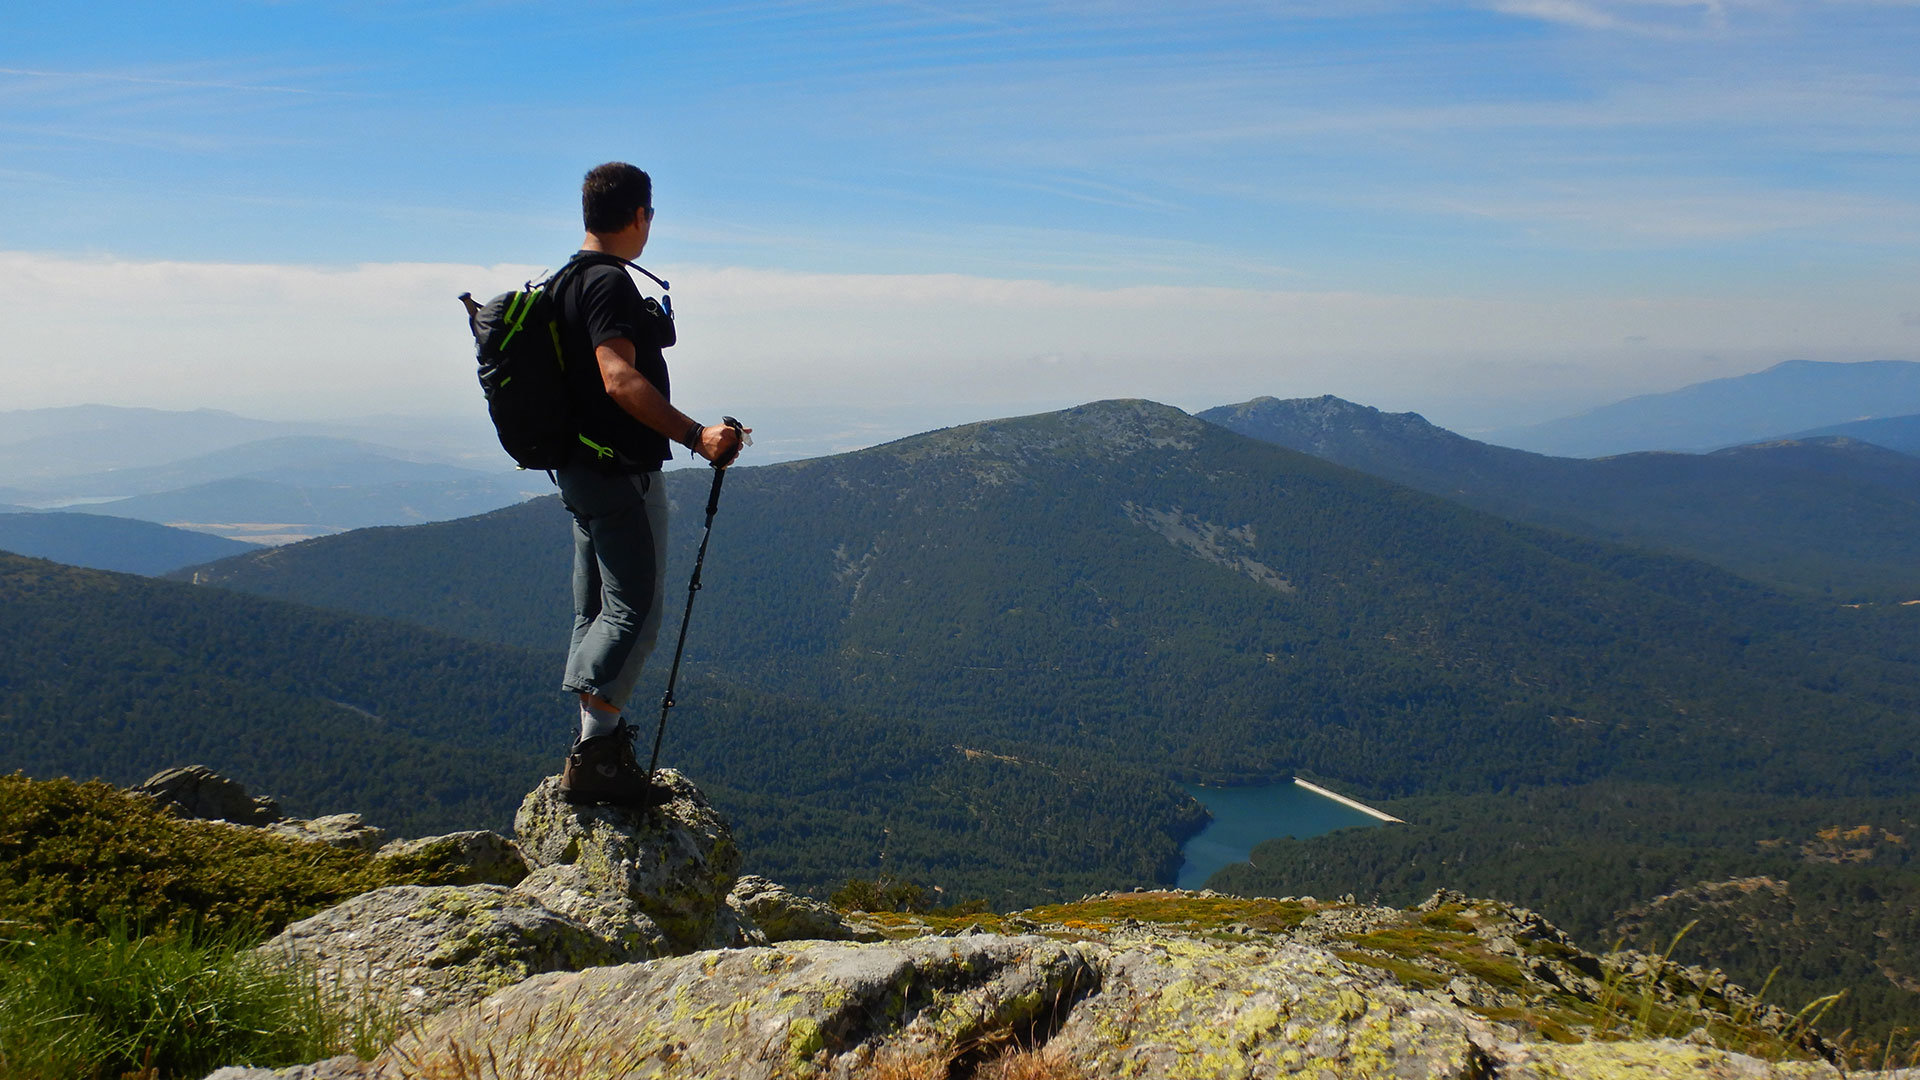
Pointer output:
642, 400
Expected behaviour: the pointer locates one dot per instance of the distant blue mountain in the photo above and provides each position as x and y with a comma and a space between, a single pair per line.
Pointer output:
1900, 433
99, 542
41, 448
46, 445
1796, 396
292, 459
245, 506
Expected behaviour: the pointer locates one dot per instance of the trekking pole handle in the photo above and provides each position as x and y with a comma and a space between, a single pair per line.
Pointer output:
720, 469
746, 440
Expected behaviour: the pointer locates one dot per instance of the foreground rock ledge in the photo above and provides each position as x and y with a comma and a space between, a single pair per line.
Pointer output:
933, 1007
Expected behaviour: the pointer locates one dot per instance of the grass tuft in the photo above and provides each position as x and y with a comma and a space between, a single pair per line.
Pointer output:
86, 1007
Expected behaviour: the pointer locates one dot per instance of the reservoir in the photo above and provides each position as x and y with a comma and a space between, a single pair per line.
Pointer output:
1246, 816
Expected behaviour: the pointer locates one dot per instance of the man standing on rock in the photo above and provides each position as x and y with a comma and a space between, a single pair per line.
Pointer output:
611, 339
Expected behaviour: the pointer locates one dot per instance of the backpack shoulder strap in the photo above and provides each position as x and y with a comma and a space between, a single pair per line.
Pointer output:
601, 258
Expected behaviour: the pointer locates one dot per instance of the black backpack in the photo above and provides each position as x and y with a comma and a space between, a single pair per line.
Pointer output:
516, 338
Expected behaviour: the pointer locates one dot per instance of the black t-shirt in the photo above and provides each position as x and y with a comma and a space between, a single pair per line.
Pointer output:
598, 303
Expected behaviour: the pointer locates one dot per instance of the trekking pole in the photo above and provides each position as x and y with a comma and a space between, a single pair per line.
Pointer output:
693, 586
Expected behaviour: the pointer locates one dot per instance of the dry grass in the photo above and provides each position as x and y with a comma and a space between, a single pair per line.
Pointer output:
899, 1063
545, 1044
1009, 1063
1039, 1063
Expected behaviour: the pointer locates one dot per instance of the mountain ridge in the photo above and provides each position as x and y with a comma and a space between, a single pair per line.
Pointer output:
1794, 395
1825, 515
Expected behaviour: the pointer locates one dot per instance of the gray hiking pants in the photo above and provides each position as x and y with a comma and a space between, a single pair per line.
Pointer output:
619, 574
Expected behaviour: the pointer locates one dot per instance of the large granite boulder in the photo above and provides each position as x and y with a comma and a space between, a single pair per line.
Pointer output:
675, 862
787, 916
195, 791
789, 1010
426, 948
476, 857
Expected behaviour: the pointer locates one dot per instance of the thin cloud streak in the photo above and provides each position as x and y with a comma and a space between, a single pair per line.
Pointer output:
145, 80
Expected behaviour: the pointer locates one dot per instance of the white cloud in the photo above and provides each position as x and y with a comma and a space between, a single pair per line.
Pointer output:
296, 341
1648, 17
1669, 18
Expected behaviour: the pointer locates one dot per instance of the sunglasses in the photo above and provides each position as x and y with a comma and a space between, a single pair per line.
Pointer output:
649, 215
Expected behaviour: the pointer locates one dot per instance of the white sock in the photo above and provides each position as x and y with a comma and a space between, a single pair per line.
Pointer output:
593, 722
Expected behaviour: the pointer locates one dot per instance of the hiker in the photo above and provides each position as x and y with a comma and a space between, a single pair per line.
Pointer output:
611, 340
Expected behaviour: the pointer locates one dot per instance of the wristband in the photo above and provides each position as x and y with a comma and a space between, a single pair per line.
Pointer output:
691, 440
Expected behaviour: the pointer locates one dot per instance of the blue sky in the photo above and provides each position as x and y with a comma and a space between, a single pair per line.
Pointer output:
1380, 162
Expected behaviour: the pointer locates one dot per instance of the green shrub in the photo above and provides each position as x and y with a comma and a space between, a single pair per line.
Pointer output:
883, 893
80, 1007
88, 855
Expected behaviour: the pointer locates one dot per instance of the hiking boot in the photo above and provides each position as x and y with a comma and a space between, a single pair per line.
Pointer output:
603, 770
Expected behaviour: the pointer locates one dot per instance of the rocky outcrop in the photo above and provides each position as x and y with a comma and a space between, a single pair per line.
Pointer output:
195, 791
338, 830
426, 948
462, 858
609, 885
1128, 1005
675, 863
787, 916
632, 950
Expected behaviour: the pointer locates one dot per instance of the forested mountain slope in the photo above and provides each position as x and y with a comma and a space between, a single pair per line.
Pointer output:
1832, 516
116, 676
499, 577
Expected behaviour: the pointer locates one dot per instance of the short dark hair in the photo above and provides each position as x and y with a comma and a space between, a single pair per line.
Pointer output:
612, 194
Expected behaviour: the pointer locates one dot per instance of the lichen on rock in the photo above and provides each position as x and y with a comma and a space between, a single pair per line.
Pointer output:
568, 890
475, 857
798, 1009
676, 862
347, 831
783, 915
423, 948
